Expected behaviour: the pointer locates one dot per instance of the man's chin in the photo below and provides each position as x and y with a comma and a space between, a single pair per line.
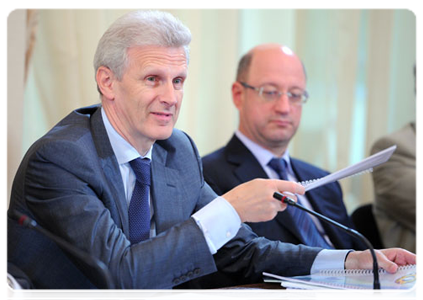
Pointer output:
163, 135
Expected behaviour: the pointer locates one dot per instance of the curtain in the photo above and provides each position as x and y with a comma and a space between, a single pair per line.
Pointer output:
359, 67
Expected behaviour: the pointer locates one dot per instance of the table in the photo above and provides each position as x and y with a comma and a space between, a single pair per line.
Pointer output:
259, 291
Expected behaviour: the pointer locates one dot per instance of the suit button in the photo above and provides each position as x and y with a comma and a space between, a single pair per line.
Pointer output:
196, 271
190, 274
176, 281
183, 278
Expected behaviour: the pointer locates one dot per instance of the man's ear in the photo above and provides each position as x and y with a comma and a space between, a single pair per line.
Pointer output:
105, 78
237, 94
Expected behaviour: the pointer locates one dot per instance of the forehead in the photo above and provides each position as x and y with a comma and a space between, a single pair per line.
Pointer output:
148, 56
276, 65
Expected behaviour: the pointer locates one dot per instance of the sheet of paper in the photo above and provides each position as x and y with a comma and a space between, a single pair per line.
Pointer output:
364, 165
404, 278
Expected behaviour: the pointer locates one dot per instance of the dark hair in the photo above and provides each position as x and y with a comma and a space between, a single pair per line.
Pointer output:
244, 67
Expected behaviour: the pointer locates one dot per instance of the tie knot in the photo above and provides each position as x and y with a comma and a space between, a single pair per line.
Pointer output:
141, 168
279, 166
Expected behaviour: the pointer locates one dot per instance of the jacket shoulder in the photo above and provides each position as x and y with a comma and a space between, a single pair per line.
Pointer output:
214, 157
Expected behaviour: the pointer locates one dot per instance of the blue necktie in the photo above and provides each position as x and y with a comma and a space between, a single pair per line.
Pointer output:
308, 230
139, 208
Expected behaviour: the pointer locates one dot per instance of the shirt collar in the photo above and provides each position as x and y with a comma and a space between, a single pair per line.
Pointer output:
123, 150
262, 155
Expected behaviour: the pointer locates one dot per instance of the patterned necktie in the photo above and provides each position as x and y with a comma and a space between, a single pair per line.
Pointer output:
139, 208
308, 230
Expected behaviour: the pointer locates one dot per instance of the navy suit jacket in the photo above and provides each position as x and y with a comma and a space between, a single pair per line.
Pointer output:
235, 164
69, 182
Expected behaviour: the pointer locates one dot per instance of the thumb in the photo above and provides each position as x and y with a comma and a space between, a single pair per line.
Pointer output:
386, 264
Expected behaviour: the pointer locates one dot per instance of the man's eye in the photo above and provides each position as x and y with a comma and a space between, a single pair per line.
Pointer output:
296, 95
271, 93
178, 83
151, 80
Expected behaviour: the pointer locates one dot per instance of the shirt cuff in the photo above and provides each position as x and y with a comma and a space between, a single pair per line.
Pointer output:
329, 259
18, 292
219, 222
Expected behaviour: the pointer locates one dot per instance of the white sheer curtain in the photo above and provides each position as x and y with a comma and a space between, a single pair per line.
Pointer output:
359, 66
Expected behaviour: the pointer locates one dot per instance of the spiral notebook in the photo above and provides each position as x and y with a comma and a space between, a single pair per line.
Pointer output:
404, 278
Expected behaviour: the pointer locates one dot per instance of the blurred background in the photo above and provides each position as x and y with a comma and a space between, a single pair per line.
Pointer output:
359, 65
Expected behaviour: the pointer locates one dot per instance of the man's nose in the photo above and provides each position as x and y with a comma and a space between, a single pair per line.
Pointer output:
167, 94
283, 104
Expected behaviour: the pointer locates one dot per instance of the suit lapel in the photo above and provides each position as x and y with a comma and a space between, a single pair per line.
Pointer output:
247, 167
167, 198
117, 205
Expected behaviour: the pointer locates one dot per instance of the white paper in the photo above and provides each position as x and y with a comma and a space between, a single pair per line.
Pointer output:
404, 278
362, 166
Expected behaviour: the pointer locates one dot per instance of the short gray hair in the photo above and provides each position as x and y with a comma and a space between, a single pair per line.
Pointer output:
139, 28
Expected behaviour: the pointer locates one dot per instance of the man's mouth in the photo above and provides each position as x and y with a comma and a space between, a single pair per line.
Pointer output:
162, 114
281, 122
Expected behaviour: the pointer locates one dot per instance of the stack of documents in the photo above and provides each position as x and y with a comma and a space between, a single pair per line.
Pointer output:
404, 278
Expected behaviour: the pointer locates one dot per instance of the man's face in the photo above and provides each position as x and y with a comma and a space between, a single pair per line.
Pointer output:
147, 99
271, 124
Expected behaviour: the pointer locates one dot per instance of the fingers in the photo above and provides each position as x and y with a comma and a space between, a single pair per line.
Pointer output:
400, 256
390, 259
385, 263
254, 200
289, 186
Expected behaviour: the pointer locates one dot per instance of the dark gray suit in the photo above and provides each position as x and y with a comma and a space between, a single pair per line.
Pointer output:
69, 182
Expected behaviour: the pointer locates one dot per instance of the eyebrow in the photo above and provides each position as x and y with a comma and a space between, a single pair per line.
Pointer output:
278, 87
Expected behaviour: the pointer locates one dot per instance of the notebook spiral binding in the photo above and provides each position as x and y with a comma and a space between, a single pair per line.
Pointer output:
329, 272
305, 183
